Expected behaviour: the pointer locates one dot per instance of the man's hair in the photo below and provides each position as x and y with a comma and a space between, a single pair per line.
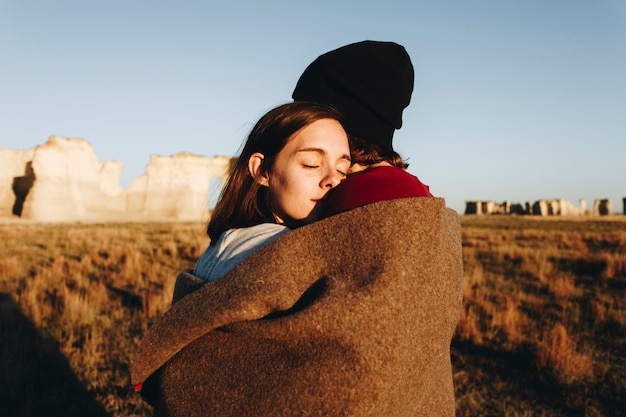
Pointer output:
364, 152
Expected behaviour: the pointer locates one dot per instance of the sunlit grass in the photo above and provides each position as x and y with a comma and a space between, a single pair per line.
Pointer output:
542, 330
543, 322
94, 289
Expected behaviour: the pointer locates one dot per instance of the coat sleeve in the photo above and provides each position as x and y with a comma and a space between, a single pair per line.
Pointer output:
252, 290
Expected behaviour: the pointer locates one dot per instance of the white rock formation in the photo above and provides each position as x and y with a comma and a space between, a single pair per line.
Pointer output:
602, 207
545, 207
481, 208
177, 186
63, 180
558, 207
70, 183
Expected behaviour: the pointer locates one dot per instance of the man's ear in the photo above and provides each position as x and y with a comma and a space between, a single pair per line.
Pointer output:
254, 167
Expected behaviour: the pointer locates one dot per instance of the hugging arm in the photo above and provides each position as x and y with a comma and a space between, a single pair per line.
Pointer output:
257, 287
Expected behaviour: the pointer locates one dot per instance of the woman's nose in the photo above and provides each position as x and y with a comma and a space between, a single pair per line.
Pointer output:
332, 179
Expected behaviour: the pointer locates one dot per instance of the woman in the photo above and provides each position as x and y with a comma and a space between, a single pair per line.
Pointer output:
293, 156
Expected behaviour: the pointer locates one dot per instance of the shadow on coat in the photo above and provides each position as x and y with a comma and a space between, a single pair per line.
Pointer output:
35, 377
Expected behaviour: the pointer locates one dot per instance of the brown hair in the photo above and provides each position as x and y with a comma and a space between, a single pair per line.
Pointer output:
364, 152
243, 201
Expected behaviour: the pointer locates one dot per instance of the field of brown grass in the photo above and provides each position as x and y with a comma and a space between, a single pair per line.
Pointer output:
543, 329
75, 301
542, 332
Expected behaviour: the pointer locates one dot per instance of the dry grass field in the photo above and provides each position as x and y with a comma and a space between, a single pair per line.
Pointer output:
543, 328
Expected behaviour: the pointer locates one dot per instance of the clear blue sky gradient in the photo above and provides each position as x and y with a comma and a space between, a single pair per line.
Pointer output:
514, 99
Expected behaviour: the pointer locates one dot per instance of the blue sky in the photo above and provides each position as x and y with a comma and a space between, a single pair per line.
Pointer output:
514, 99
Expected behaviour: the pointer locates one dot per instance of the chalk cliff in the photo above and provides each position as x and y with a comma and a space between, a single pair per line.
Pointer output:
63, 180
69, 182
176, 187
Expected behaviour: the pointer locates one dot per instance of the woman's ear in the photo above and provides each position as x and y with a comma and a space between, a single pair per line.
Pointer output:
254, 166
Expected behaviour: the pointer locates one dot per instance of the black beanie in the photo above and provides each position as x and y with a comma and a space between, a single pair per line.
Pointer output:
370, 82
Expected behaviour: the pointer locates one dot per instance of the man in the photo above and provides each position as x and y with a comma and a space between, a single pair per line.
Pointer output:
371, 83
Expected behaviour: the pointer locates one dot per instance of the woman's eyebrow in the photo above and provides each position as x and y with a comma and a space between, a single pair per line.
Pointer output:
322, 151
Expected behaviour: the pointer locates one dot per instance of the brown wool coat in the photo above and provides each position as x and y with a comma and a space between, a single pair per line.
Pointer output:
349, 316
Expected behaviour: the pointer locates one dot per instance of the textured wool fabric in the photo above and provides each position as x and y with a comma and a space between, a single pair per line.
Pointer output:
349, 316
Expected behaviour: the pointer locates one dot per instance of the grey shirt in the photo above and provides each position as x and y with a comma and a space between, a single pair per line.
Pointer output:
232, 247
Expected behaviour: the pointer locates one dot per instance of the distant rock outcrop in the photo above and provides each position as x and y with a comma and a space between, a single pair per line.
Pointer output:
70, 183
603, 206
63, 180
544, 207
491, 207
176, 187
558, 207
